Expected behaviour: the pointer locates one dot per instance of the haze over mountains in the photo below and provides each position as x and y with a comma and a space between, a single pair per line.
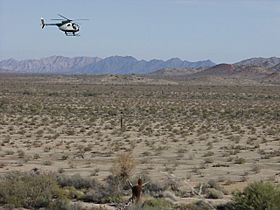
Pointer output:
95, 65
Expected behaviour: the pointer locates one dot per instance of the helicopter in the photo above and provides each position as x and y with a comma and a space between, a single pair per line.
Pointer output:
66, 25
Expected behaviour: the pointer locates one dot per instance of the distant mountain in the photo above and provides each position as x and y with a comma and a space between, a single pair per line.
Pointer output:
53, 64
128, 64
218, 70
176, 71
273, 78
262, 62
5, 71
235, 71
250, 71
95, 65
276, 68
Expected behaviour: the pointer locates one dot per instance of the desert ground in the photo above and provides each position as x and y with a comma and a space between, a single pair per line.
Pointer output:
191, 132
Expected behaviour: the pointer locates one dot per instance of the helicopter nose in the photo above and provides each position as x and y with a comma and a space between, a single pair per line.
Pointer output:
75, 26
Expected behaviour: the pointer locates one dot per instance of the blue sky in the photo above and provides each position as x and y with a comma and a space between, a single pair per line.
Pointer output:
220, 30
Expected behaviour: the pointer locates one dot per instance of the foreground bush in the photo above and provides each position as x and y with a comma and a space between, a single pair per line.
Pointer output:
199, 205
76, 181
258, 196
157, 204
161, 204
29, 191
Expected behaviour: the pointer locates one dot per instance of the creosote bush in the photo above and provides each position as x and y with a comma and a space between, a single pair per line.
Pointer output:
258, 196
52, 191
76, 181
157, 204
29, 191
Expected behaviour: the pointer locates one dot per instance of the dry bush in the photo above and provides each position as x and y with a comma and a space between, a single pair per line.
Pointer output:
124, 165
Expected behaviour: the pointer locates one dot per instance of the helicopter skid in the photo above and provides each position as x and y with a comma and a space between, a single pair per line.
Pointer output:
72, 34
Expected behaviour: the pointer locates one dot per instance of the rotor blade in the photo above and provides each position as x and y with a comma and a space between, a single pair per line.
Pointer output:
81, 19
57, 19
63, 17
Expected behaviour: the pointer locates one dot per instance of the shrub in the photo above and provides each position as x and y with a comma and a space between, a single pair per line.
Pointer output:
157, 204
199, 205
239, 160
107, 193
60, 205
214, 184
154, 189
21, 153
124, 165
73, 193
47, 163
29, 191
101, 195
258, 196
78, 206
76, 181
95, 191
214, 194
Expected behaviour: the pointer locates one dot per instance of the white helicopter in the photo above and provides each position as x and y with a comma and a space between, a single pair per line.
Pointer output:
67, 25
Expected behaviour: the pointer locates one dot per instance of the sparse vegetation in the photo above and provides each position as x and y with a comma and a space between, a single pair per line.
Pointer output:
71, 125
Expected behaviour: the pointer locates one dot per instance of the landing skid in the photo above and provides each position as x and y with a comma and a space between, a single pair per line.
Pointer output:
71, 34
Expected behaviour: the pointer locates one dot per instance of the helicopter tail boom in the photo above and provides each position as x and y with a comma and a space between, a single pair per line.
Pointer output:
43, 24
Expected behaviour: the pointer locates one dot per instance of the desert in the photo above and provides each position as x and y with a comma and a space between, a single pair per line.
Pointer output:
179, 136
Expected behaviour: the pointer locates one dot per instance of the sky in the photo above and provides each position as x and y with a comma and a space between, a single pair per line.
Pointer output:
219, 30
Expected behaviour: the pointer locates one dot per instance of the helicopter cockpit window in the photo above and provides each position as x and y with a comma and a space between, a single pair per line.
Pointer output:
68, 24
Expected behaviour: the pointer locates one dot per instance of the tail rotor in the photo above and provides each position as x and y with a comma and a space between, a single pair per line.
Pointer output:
42, 23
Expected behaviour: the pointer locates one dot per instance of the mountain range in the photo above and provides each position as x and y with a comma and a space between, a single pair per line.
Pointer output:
254, 70
235, 71
95, 65
261, 62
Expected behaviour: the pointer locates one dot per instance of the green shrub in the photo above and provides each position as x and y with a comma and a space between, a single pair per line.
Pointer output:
76, 181
258, 196
72, 193
199, 205
110, 191
157, 204
60, 204
29, 191
214, 194
101, 195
